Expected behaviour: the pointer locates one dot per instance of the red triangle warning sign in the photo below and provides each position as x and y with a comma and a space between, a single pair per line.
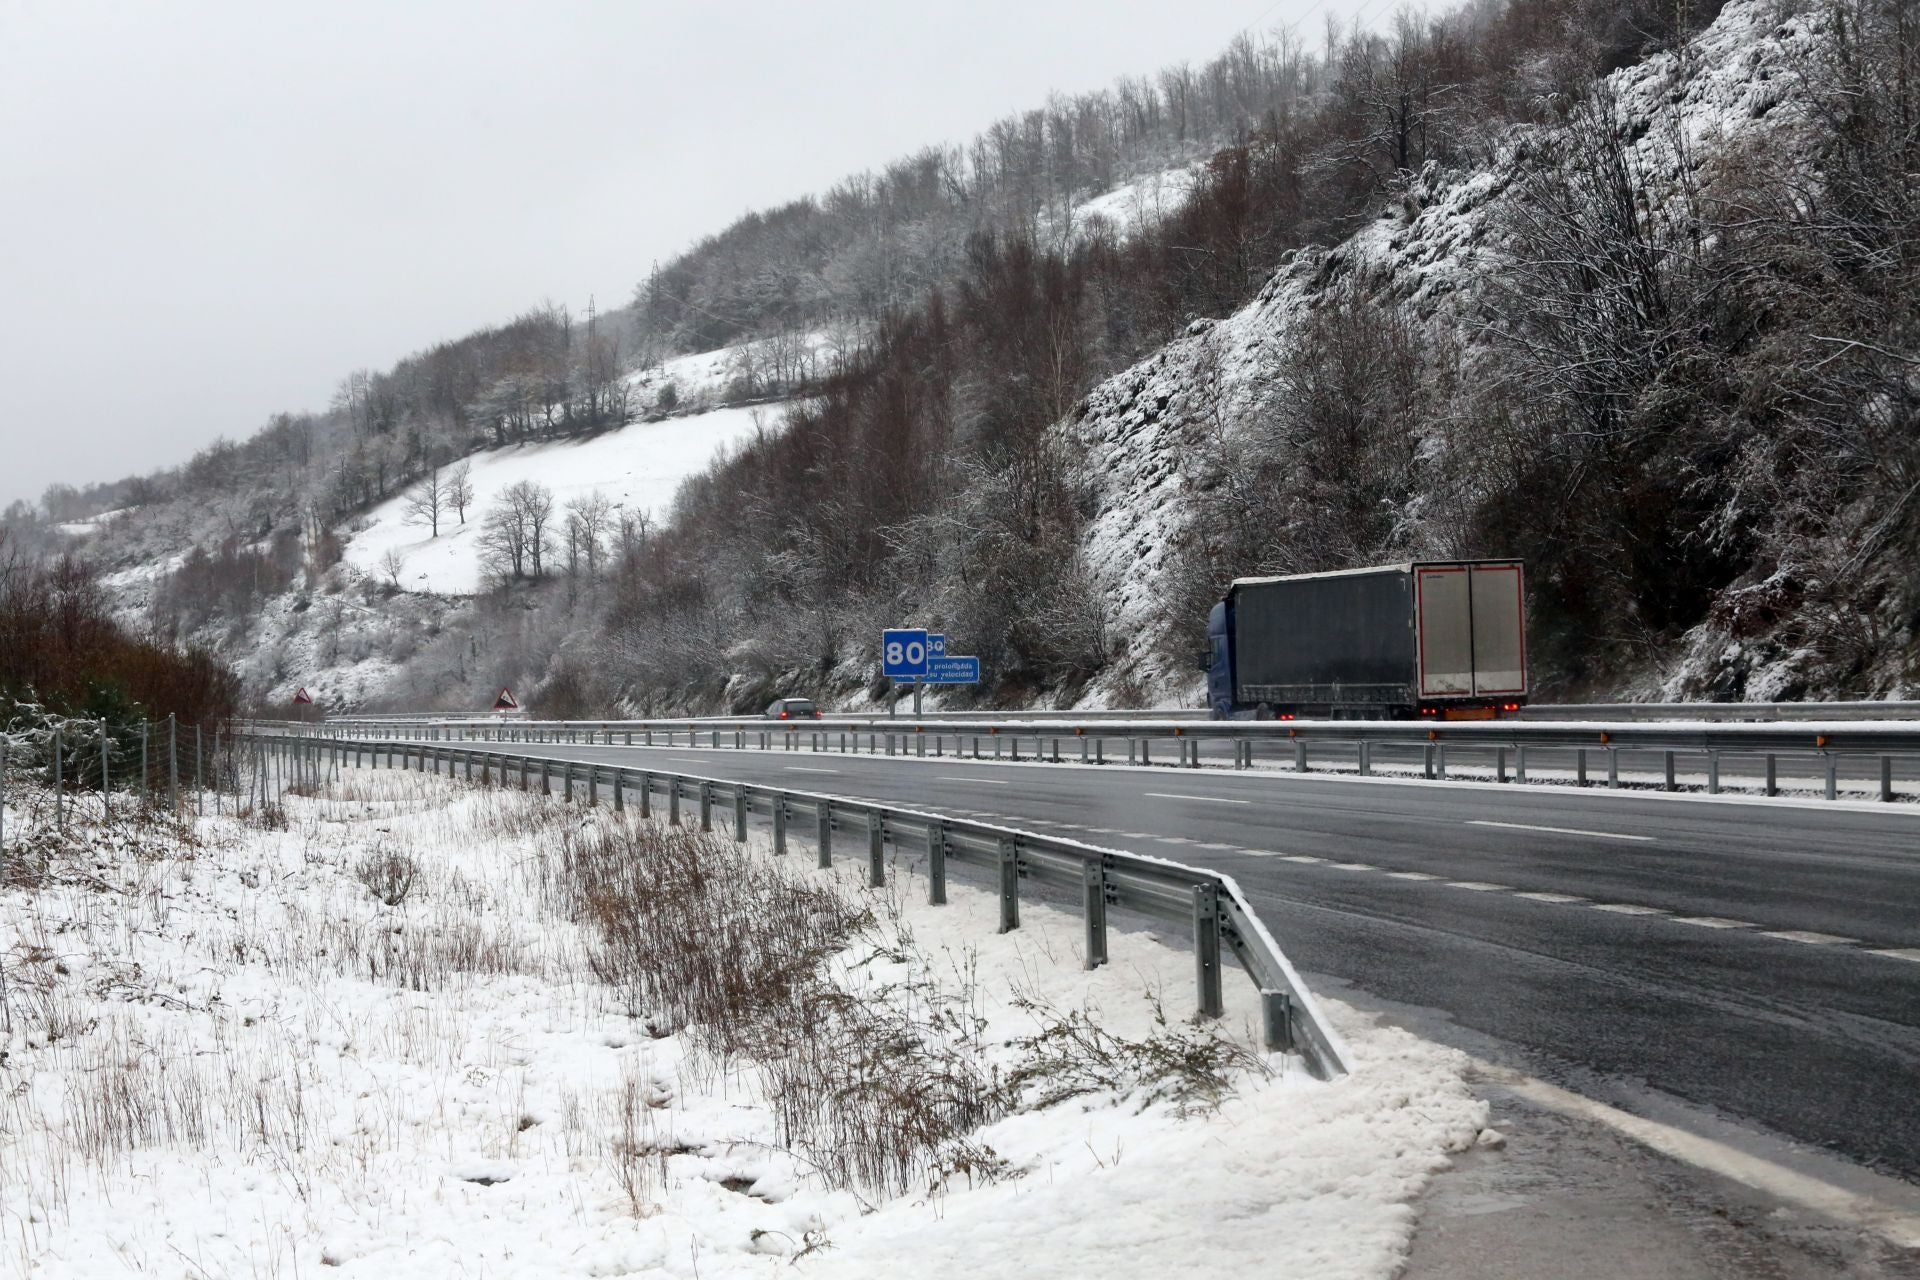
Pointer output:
506, 701
303, 699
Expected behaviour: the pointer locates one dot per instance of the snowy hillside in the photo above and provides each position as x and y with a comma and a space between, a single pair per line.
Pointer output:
637, 468
1436, 256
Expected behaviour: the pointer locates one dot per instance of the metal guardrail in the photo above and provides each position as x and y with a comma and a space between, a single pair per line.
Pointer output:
1502, 743
1210, 902
1758, 711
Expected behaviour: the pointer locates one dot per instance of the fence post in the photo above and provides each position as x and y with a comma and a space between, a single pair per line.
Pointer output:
59, 810
173, 763
1206, 949
876, 848
199, 778
1276, 1018
1093, 909
824, 836
3, 795
1009, 885
106, 779
937, 863
145, 768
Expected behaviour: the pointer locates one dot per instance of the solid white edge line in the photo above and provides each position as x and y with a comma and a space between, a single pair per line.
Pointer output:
1558, 831
800, 768
1895, 1224
990, 782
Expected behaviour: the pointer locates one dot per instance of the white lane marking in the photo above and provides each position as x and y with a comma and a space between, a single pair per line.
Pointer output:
1901, 1226
1714, 922
1807, 936
1135, 835
1174, 795
1629, 909
1545, 896
800, 768
1411, 875
684, 760
1353, 866
1899, 953
1559, 831
1213, 846
1301, 857
985, 782
1173, 840
1478, 886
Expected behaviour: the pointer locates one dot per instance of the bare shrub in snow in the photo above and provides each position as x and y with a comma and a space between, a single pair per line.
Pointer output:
388, 875
1191, 1065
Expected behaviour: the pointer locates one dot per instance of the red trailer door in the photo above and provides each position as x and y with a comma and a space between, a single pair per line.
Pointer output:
1445, 623
1499, 630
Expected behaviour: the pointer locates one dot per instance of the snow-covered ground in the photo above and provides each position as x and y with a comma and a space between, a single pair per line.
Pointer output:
225, 1057
1140, 203
638, 468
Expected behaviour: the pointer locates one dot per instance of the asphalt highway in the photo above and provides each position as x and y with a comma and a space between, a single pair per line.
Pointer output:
1760, 959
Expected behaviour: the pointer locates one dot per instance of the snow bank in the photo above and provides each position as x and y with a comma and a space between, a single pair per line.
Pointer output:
227, 1057
638, 467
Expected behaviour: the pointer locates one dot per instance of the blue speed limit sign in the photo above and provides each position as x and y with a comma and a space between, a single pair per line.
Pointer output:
903, 653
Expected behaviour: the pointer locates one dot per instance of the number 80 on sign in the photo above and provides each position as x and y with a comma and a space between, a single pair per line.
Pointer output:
903, 653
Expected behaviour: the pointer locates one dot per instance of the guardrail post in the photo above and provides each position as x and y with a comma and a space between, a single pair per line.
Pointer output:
1206, 949
740, 816
1833, 776
567, 774
1299, 755
646, 794
1009, 885
1440, 758
1056, 751
919, 743
1085, 751
1580, 767
937, 863
1520, 764
1426, 761
1499, 764
1613, 766
779, 820
546, 776
876, 849
1146, 751
1886, 778
619, 790
1099, 750
1366, 758
1669, 769
1093, 910
673, 799
1276, 1019
1713, 773
1773, 777
823, 836
706, 806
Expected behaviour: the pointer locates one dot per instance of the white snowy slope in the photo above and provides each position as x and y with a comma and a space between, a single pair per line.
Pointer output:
1136, 429
638, 468
225, 1057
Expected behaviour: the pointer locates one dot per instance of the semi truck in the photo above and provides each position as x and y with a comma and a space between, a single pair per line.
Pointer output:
1443, 640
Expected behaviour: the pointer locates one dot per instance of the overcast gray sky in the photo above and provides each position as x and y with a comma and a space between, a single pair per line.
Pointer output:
210, 212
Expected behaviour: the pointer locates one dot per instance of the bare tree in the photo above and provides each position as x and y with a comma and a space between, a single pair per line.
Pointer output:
458, 489
393, 564
589, 520
426, 500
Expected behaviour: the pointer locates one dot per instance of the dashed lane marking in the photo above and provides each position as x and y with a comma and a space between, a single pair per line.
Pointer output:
1175, 795
1715, 922
1629, 909
800, 768
1478, 886
1558, 831
1301, 857
1353, 866
985, 782
1809, 937
1411, 875
1542, 895
1899, 953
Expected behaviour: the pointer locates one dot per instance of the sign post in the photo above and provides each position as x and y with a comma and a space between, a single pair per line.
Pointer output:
903, 656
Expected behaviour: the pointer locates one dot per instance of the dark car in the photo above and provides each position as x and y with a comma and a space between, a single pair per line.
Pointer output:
792, 709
